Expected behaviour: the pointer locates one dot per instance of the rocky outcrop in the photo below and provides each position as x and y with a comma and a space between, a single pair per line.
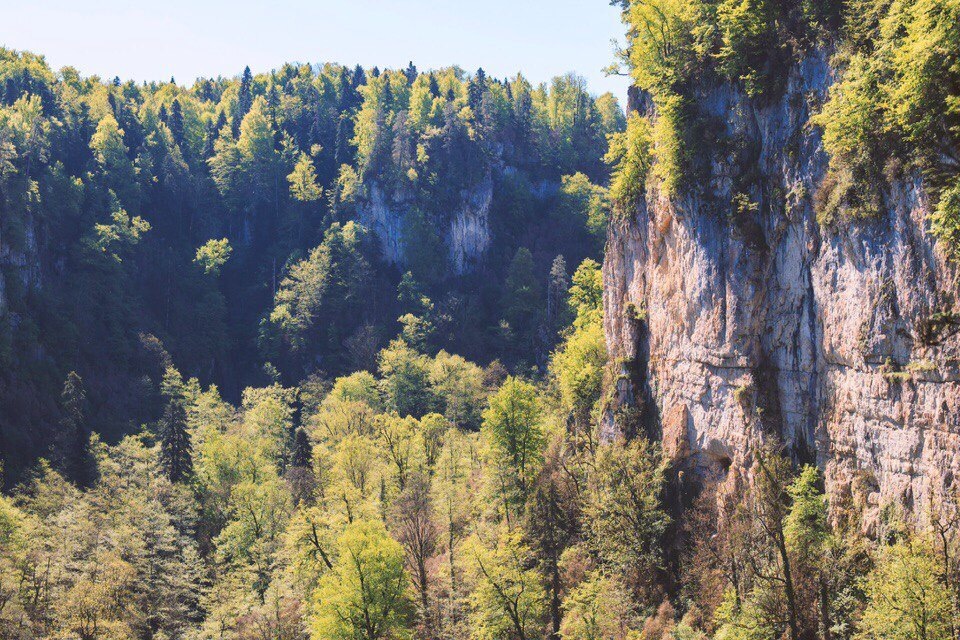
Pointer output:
466, 229
19, 264
383, 214
469, 234
731, 314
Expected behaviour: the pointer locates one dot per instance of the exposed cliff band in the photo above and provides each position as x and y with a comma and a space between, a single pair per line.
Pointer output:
756, 319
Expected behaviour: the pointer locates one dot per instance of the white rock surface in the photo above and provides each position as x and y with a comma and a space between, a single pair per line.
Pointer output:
771, 313
467, 228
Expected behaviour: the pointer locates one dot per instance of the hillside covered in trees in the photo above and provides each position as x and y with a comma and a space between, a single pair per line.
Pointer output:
278, 224
328, 353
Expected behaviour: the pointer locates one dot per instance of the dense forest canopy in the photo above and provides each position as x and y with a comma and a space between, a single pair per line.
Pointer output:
319, 353
287, 223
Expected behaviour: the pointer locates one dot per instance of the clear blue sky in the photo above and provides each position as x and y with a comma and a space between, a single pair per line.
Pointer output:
154, 40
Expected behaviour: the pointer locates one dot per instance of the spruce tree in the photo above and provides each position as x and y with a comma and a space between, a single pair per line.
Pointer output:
359, 77
10, 93
273, 100
557, 293
302, 450
244, 100
176, 451
78, 463
343, 151
221, 122
387, 97
209, 139
175, 122
410, 72
475, 90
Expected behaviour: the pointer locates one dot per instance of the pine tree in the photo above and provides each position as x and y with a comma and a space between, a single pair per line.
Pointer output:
302, 450
434, 87
176, 450
78, 464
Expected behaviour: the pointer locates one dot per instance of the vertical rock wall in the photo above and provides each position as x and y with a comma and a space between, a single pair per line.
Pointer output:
726, 324
467, 228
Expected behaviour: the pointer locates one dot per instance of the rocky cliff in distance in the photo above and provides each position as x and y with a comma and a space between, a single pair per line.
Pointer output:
467, 229
727, 322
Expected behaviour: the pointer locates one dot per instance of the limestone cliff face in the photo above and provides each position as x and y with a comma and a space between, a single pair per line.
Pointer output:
465, 230
726, 324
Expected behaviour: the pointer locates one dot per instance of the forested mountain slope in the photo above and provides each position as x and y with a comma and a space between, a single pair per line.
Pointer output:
235, 313
285, 219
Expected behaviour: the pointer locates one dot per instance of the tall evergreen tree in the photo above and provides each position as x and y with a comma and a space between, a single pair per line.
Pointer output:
475, 90
302, 450
359, 76
175, 122
78, 463
557, 288
176, 450
210, 137
411, 72
244, 100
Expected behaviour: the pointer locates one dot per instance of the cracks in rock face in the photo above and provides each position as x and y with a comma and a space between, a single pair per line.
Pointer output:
772, 301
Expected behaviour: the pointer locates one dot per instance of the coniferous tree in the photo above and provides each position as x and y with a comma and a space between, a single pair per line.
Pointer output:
557, 293
175, 122
78, 463
475, 90
176, 450
410, 72
244, 100
210, 137
273, 102
302, 450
